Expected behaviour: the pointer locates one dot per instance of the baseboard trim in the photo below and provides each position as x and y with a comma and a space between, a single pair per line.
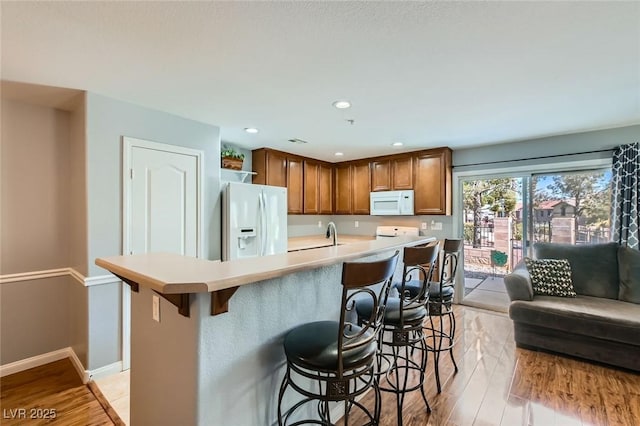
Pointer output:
35, 361
105, 371
38, 360
50, 273
84, 374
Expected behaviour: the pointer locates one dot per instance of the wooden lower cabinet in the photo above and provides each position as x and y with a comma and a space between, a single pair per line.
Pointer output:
432, 182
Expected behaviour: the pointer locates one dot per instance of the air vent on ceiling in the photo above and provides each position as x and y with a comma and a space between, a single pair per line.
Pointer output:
296, 140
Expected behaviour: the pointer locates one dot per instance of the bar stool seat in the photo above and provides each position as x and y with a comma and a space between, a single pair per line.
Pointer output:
402, 334
315, 346
335, 361
413, 287
392, 311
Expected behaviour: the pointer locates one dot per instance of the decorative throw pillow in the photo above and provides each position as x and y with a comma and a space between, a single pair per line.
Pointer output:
550, 277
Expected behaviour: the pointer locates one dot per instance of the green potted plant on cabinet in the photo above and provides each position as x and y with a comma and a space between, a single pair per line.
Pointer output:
231, 159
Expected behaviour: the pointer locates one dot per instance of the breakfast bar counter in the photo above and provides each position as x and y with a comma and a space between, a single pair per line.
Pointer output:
173, 274
317, 241
218, 358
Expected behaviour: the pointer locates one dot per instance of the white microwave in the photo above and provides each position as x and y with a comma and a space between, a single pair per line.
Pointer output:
391, 203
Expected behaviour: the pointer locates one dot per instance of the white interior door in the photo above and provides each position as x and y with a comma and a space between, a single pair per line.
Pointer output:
162, 201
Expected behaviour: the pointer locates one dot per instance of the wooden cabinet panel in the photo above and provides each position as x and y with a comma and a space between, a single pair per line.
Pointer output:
325, 189
433, 182
276, 170
294, 185
402, 173
270, 166
316, 187
343, 189
381, 175
360, 187
392, 174
311, 187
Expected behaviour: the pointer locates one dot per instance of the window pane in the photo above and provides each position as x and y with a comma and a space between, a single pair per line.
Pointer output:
571, 207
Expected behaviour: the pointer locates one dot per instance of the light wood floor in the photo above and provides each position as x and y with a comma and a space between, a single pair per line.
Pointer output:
50, 394
499, 384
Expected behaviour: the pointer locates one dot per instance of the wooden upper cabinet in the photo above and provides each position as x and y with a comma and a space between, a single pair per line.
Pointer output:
309, 182
360, 187
311, 187
270, 166
381, 175
317, 187
432, 183
295, 185
343, 188
325, 189
402, 173
392, 174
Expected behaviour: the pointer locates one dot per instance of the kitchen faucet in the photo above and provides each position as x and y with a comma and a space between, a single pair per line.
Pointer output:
331, 231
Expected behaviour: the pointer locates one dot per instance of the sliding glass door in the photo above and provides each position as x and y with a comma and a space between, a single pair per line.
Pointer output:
493, 223
504, 215
571, 207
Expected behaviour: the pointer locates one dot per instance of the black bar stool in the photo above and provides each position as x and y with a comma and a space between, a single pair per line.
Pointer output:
339, 355
440, 338
402, 329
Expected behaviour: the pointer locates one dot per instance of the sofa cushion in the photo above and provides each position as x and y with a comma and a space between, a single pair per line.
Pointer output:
594, 268
629, 265
589, 316
550, 277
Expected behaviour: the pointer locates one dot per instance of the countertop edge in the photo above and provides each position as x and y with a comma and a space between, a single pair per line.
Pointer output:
253, 278
117, 266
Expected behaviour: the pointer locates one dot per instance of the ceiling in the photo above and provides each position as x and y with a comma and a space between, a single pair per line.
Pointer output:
428, 74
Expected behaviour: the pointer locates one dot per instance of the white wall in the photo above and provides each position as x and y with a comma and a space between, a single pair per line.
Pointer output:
108, 120
545, 147
36, 316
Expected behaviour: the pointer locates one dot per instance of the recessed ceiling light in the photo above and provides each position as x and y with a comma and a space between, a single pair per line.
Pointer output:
342, 104
339, 154
397, 144
251, 130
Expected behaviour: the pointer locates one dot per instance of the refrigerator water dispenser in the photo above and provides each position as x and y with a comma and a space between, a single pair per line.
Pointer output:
247, 244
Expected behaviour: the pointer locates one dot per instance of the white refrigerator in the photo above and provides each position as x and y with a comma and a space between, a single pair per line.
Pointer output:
254, 220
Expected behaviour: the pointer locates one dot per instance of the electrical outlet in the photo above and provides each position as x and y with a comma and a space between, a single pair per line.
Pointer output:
319, 224
156, 308
357, 224
423, 225
436, 226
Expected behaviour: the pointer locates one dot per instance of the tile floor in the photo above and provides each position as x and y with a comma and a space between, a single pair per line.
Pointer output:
489, 293
116, 389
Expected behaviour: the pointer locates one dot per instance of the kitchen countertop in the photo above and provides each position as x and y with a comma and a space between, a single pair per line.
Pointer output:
316, 241
175, 274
